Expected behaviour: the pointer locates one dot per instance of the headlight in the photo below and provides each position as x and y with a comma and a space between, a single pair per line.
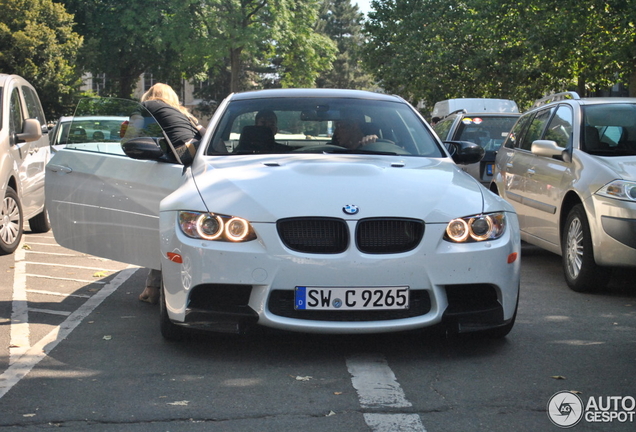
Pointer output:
209, 226
476, 228
619, 189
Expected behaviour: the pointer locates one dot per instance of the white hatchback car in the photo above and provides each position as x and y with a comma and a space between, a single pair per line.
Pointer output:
294, 231
569, 169
24, 152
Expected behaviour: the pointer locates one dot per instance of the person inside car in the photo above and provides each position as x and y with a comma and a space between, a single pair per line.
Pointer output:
348, 133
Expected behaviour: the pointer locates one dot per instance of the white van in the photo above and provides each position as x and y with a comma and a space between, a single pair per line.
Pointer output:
24, 152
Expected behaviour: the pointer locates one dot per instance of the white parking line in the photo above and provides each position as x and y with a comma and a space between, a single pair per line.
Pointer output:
58, 294
70, 266
20, 342
66, 279
378, 388
50, 311
22, 365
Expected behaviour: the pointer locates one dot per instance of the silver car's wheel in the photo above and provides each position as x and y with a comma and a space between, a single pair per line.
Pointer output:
581, 271
40, 223
10, 222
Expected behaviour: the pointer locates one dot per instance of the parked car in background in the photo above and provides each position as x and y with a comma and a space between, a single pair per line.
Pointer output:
24, 152
296, 230
569, 169
483, 121
86, 129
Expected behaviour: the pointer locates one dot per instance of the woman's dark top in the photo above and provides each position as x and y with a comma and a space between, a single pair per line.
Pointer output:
176, 124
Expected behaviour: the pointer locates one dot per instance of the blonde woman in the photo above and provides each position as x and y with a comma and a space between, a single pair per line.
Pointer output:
181, 127
184, 131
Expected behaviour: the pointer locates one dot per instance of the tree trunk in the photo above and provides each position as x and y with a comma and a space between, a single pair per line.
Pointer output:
580, 86
235, 69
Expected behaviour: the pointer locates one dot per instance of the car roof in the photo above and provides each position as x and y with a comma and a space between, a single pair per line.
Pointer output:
313, 92
67, 119
488, 114
604, 100
6, 77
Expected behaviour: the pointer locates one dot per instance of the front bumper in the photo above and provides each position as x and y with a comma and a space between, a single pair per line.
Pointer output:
613, 226
231, 286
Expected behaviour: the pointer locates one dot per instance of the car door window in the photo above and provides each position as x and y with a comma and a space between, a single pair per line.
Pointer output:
443, 127
15, 114
32, 105
102, 125
536, 128
560, 128
516, 135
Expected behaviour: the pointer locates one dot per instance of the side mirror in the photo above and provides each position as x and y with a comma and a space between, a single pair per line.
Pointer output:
144, 148
32, 131
546, 148
465, 152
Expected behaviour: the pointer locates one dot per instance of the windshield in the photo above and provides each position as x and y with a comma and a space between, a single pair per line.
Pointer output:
609, 129
321, 125
487, 131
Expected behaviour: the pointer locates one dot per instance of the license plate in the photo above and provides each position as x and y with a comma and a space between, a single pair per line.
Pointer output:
489, 169
340, 298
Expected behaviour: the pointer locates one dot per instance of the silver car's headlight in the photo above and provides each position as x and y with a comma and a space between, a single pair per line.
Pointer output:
619, 189
210, 226
476, 228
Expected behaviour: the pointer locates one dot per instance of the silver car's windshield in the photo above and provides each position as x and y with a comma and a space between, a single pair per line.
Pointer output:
321, 125
609, 129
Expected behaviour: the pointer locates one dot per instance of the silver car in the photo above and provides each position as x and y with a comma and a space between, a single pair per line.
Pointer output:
569, 169
24, 151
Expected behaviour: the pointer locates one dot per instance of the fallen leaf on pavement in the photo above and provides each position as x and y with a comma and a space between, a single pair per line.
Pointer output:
303, 378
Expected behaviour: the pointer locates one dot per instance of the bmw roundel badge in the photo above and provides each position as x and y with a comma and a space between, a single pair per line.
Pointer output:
350, 209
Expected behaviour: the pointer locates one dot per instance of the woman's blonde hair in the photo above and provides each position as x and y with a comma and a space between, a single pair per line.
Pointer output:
165, 93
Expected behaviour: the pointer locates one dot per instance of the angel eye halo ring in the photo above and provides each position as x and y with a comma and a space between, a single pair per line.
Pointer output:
210, 226
476, 228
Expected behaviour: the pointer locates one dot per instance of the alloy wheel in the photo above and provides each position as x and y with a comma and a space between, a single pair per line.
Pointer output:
574, 247
10, 220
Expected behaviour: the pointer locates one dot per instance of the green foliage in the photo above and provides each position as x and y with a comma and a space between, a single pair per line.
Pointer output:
341, 22
38, 42
125, 38
304, 53
519, 49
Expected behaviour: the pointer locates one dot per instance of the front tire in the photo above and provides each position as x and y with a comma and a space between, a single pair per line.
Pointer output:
40, 223
10, 222
582, 274
169, 330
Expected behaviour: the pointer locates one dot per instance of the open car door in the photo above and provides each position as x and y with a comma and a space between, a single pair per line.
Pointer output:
101, 201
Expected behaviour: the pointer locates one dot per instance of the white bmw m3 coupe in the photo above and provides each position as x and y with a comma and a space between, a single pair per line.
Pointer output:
342, 213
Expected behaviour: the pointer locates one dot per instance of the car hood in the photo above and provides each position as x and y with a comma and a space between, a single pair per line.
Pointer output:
271, 187
623, 166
